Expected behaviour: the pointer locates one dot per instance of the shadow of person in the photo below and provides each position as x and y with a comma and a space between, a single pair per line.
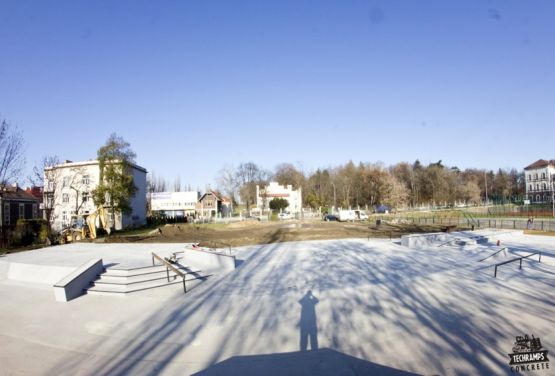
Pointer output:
308, 325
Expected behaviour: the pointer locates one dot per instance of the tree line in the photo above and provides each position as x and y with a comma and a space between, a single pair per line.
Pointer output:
403, 184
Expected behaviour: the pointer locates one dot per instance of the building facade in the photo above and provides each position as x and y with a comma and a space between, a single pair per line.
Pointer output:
174, 204
68, 191
274, 190
211, 205
540, 181
16, 203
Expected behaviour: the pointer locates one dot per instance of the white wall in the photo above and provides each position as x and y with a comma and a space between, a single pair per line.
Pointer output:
68, 174
138, 202
163, 201
273, 190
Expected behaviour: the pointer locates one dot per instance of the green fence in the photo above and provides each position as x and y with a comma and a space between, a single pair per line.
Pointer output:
501, 223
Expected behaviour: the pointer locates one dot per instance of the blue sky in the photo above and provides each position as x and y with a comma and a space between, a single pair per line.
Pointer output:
196, 85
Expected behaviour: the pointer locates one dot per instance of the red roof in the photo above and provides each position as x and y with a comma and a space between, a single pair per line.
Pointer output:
540, 163
16, 194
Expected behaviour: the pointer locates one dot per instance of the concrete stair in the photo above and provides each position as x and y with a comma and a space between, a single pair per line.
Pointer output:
119, 282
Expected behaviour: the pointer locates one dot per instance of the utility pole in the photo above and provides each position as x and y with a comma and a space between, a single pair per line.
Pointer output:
332, 183
552, 193
486, 182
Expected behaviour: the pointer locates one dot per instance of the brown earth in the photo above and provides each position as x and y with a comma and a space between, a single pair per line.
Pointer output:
254, 232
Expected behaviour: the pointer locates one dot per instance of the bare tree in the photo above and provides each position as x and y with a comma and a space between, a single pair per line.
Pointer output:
156, 183
46, 176
12, 148
177, 184
286, 173
79, 183
248, 176
227, 182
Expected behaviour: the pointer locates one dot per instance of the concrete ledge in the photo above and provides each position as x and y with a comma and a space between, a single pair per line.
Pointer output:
209, 261
422, 240
33, 273
455, 238
73, 284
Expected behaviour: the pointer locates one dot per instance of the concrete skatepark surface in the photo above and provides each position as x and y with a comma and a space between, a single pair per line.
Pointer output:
377, 307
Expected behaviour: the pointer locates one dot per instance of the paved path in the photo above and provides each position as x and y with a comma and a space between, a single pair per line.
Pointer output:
370, 305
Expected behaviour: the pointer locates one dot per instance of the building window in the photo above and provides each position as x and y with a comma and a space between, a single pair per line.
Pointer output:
65, 182
544, 186
64, 218
537, 187
35, 211
21, 211
538, 198
65, 198
86, 179
543, 175
531, 187
535, 176
50, 185
7, 214
530, 177
85, 196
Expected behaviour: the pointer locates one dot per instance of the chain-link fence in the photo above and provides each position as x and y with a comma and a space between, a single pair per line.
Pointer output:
501, 223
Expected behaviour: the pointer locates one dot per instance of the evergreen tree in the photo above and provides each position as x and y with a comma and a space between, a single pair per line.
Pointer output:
116, 187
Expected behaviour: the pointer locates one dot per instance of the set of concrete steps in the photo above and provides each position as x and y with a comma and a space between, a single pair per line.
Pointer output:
116, 281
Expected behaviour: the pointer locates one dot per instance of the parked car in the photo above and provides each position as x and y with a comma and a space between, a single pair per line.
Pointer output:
285, 215
330, 217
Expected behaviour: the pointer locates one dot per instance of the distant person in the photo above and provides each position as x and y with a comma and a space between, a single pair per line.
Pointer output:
530, 224
308, 324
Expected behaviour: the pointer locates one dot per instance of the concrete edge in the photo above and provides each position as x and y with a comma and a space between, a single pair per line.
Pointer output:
73, 285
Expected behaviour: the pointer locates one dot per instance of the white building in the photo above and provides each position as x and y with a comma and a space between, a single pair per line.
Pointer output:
68, 191
540, 181
174, 204
274, 190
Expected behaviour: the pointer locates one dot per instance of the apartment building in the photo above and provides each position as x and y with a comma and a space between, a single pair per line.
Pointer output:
68, 191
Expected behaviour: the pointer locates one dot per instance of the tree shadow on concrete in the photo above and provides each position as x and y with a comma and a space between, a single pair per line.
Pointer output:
390, 306
319, 362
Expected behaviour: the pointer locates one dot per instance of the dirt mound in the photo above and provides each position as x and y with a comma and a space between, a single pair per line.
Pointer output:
254, 232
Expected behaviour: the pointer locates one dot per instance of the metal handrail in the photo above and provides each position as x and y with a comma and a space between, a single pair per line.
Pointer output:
169, 267
228, 245
516, 259
493, 254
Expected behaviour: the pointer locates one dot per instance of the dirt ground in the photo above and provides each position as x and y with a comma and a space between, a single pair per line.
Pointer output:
254, 232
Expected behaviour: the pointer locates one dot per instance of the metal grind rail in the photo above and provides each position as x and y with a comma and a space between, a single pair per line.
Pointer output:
217, 250
493, 254
517, 259
169, 267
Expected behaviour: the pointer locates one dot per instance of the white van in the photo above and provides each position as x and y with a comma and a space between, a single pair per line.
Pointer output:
347, 215
360, 215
